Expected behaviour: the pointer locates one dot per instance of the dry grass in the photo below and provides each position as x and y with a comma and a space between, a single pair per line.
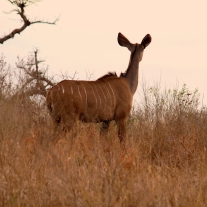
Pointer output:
165, 163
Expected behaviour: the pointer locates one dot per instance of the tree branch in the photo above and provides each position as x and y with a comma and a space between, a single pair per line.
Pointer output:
34, 81
21, 4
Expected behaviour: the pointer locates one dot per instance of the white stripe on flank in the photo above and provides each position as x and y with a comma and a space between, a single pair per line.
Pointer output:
102, 92
58, 86
62, 88
79, 93
112, 92
85, 93
104, 96
99, 97
71, 90
108, 95
93, 94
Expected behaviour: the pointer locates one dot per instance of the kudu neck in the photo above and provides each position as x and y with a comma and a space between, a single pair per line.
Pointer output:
132, 73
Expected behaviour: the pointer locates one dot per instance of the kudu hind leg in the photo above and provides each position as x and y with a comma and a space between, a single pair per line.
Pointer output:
122, 131
63, 124
68, 123
67, 128
104, 128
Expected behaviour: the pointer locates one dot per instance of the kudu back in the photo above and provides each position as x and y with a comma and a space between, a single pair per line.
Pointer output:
106, 99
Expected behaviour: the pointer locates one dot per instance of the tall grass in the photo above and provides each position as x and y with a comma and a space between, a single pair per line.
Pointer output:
165, 163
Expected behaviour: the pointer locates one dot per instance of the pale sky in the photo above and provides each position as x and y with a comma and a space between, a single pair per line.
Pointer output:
85, 38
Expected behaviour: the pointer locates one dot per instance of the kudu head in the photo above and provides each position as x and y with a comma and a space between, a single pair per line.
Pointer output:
136, 49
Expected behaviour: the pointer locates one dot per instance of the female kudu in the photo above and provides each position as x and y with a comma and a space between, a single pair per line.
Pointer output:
106, 99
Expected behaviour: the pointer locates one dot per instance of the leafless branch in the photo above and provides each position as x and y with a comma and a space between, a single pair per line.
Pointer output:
66, 76
25, 2
35, 82
89, 75
73, 78
21, 4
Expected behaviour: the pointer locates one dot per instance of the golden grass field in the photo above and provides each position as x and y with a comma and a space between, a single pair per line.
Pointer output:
165, 162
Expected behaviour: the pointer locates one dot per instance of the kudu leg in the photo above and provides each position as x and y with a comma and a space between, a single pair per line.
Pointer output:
69, 129
64, 123
104, 128
122, 131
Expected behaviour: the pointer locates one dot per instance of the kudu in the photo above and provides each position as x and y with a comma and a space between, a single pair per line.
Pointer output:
106, 99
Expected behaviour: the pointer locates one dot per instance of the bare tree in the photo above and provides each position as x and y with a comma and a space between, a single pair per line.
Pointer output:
34, 80
20, 6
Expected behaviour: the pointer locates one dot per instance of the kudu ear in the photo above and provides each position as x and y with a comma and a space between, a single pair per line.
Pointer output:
146, 40
123, 41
